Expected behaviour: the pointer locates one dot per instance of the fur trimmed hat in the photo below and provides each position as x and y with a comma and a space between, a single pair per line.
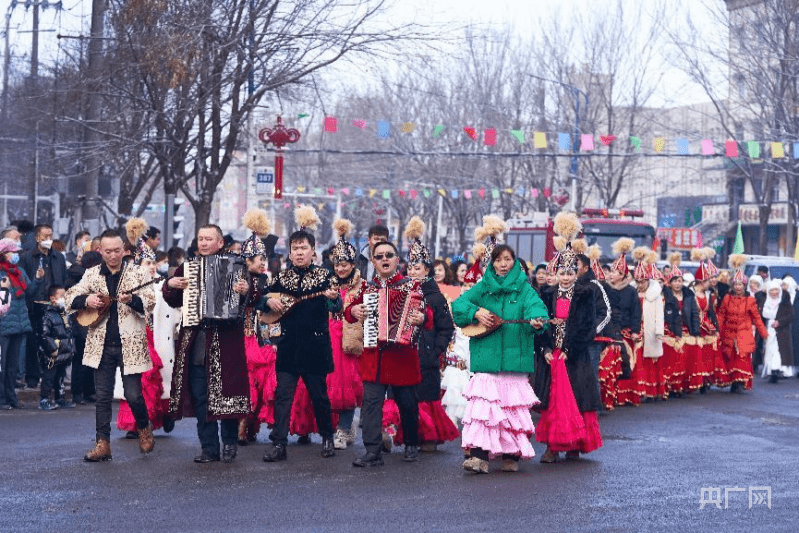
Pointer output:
417, 252
343, 251
257, 221
135, 229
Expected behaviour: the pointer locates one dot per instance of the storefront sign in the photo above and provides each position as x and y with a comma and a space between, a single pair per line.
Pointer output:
749, 214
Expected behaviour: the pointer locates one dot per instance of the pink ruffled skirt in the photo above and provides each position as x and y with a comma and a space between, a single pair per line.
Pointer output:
497, 417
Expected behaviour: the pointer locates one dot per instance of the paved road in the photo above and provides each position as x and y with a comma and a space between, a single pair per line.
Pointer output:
648, 477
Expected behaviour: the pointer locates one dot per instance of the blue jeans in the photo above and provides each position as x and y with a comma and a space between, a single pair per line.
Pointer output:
10, 348
595, 351
208, 431
345, 419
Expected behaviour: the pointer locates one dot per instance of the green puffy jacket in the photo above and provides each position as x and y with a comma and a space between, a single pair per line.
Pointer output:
510, 348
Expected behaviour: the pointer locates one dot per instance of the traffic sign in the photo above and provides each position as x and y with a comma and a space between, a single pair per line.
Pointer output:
264, 180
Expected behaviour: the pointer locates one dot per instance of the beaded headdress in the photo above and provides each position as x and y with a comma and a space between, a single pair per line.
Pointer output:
135, 229
257, 221
342, 251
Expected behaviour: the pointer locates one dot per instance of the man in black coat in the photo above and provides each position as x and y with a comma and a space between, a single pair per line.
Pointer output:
604, 325
303, 349
54, 267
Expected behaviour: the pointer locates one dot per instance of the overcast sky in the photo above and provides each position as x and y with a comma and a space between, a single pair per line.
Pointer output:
522, 17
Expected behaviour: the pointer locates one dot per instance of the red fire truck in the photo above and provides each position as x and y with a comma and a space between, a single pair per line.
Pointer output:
532, 237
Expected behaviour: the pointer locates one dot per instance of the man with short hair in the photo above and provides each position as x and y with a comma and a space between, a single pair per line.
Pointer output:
53, 268
209, 379
363, 262
389, 364
153, 238
112, 284
82, 238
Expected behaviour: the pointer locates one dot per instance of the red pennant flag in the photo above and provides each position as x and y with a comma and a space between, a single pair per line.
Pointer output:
413, 194
401, 193
471, 132
607, 139
331, 124
359, 123
481, 193
732, 148
490, 137
547, 192
331, 191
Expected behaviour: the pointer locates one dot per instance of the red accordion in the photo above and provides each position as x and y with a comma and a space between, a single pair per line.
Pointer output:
388, 311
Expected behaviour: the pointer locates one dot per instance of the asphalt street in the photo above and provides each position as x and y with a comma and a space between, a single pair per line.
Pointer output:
649, 476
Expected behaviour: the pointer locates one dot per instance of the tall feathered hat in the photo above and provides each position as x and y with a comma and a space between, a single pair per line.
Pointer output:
417, 252
702, 272
710, 253
475, 273
492, 228
737, 262
621, 248
674, 260
567, 226
651, 260
594, 253
257, 221
642, 267
343, 251
306, 218
135, 228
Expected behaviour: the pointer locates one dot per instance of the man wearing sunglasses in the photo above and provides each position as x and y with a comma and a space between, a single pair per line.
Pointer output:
389, 365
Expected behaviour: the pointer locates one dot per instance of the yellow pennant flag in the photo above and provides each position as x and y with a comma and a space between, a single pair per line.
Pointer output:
660, 144
372, 192
407, 127
301, 189
442, 192
777, 150
539, 139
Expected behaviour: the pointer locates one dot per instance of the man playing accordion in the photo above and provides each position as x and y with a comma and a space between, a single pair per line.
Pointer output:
389, 363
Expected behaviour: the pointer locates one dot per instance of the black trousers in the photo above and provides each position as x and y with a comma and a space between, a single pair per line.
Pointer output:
284, 399
33, 370
82, 375
374, 394
104, 378
53, 380
208, 430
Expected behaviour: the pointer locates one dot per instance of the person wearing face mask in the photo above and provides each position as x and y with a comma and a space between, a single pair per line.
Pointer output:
15, 324
56, 350
82, 238
51, 267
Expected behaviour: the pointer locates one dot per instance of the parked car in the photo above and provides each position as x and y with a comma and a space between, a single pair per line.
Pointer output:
778, 267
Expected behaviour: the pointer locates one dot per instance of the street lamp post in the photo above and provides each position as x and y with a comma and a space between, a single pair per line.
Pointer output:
576, 143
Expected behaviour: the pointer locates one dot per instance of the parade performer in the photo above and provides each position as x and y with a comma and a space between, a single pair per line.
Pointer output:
497, 420
681, 316
652, 331
344, 385
627, 307
210, 375
260, 353
703, 368
457, 373
389, 364
304, 350
118, 340
564, 376
777, 313
435, 427
153, 379
633, 389
737, 315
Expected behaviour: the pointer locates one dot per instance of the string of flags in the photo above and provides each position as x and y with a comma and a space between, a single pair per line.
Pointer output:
587, 142
419, 194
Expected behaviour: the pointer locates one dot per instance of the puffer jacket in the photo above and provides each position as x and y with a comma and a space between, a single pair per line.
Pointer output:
57, 343
510, 348
736, 316
16, 320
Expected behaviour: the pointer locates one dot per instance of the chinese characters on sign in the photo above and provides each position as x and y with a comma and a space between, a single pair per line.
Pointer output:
749, 214
712, 496
680, 238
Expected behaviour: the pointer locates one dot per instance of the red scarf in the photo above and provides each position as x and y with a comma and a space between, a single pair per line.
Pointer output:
15, 275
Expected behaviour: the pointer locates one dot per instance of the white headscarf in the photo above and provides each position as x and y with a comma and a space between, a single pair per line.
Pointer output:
772, 303
791, 283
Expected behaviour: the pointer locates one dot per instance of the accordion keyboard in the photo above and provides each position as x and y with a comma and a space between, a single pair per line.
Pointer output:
370, 322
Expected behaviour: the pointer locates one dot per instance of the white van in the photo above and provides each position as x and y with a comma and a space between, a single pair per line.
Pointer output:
778, 267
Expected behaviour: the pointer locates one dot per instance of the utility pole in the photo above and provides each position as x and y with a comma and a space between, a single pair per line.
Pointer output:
92, 205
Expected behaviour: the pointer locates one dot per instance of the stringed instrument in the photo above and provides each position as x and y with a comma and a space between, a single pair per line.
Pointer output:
92, 317
289, 302
479, 331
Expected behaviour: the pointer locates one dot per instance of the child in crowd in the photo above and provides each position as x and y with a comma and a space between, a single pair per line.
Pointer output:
56, 349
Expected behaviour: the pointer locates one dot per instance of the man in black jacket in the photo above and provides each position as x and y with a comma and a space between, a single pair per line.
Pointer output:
54, 268
605, 324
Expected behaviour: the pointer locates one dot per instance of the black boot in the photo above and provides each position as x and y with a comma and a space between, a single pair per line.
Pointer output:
275, 453
411, 454
368, 459
774, 378
229, 452
328, 450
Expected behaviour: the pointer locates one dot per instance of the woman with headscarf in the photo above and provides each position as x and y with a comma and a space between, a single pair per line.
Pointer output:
736, 316
777, 314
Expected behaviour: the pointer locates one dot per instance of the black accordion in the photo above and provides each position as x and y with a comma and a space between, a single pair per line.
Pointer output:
210, 295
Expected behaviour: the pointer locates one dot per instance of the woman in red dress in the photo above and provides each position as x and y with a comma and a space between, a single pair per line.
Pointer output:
737, 315
705, 367
681, 317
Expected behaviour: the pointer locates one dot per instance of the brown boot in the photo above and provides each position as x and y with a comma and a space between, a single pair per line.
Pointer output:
101, 452
146, 440
242, 436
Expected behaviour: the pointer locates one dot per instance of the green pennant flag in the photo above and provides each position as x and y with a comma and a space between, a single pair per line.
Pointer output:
518, 135
636, 142
386, 194
437, 130
738, 247
494, 193
753, 149
303, 115
426, 193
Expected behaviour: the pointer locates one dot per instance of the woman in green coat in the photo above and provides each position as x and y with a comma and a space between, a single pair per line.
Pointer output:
497, 420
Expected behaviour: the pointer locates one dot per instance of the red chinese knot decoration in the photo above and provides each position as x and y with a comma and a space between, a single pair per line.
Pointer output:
279, 136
